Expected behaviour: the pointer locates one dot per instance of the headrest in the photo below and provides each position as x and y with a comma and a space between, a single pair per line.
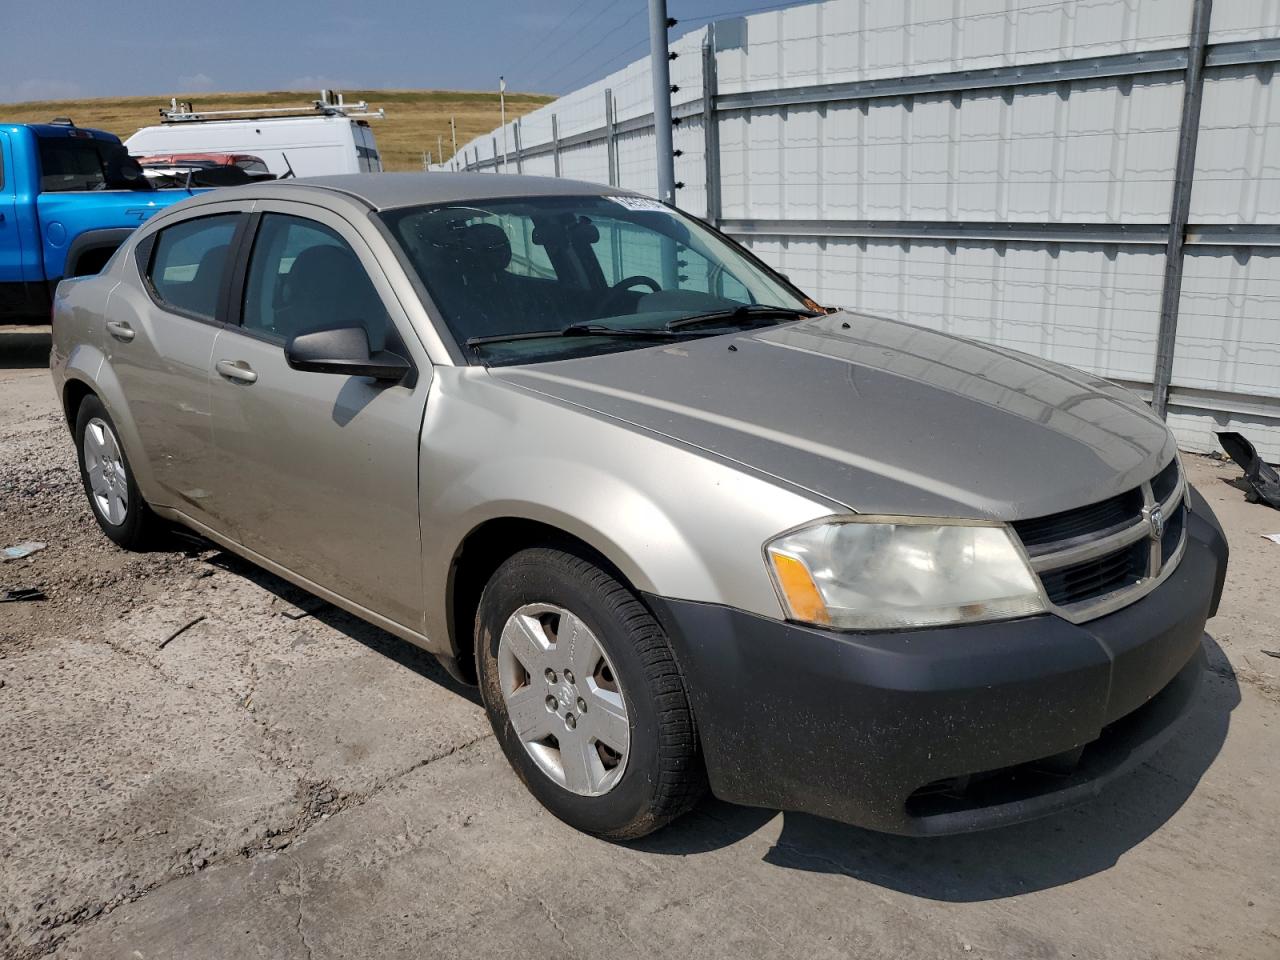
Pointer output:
486, 246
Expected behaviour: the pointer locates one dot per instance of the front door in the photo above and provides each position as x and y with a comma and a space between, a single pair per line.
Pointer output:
319, 472
158, 340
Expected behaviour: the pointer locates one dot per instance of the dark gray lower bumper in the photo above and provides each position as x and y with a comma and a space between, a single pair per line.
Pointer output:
944, 730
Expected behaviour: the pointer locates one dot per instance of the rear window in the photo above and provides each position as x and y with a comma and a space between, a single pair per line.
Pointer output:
83, 163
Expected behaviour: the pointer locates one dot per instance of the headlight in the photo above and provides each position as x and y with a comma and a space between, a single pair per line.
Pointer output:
862, 574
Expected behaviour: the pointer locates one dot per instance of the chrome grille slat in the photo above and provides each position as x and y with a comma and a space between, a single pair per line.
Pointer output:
1085, 575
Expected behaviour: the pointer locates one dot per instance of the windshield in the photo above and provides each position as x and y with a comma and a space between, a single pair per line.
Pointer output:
545, 278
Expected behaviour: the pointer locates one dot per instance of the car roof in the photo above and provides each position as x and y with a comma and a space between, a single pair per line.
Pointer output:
387, 191
48, 130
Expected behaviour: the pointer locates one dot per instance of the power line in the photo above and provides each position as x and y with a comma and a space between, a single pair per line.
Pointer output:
536, 47
578, 79
741, 11
547, 55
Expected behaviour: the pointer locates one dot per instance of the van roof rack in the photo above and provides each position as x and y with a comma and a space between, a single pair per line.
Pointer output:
330, 104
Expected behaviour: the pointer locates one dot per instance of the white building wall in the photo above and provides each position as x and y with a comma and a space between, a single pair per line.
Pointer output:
1091, 151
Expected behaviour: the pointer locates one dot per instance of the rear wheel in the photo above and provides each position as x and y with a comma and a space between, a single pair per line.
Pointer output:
108, 481
585, 696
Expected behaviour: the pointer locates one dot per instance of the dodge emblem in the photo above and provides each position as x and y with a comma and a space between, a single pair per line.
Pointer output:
1157, 523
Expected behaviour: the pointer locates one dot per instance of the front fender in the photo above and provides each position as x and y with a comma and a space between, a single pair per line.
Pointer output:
675, 520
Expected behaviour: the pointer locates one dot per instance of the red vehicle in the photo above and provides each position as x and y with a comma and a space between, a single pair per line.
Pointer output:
205, 169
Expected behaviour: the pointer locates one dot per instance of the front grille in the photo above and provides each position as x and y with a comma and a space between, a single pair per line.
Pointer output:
1080, 522
1099, 557
1094, 578
1165, 482
1173, 525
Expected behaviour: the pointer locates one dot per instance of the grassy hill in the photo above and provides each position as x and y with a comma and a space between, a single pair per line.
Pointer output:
414, 117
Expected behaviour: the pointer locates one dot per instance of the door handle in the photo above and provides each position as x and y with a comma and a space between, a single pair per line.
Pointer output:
120, 330
236, 370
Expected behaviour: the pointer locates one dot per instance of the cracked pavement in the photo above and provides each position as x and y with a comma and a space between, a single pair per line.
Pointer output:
314, 788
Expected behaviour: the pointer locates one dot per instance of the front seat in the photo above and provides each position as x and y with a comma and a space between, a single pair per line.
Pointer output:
327, 287
470, 276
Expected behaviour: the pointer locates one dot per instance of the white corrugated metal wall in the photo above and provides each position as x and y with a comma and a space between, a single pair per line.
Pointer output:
890, 203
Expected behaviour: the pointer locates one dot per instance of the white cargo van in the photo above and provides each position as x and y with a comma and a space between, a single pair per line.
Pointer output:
329, 136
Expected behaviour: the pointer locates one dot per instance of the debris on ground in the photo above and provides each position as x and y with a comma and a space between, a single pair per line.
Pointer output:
22, 593
1273, 537
180, 631
1272, 653
1262, 478
18, 551
296, 611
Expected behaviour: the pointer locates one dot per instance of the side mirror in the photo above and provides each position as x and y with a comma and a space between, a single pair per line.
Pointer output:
343, 350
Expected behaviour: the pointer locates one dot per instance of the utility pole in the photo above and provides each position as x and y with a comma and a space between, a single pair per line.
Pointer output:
1183, 180
659, 66
502, 105
453, 132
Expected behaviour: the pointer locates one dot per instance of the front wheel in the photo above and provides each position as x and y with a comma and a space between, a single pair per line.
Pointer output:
585, 696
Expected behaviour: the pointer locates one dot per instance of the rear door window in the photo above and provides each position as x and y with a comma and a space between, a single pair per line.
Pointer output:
189, 263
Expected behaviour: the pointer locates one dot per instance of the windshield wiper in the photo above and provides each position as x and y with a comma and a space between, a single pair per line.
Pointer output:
744, 313
580, 330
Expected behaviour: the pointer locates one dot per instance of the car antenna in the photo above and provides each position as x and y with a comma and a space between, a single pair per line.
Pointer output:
190, 171
288, 172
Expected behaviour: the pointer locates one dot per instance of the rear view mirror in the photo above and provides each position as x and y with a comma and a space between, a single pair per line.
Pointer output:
343, 350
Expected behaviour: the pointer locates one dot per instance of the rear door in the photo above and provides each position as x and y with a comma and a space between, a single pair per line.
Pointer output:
319, 472
159, 344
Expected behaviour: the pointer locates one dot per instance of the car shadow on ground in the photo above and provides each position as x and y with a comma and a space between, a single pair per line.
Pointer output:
990, 865
995, 864
376, 639
26, 348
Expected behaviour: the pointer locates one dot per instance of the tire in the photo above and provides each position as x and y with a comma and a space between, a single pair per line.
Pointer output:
118, 506
560, 611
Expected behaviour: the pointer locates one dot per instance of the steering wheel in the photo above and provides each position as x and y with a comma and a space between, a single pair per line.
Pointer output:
614, 296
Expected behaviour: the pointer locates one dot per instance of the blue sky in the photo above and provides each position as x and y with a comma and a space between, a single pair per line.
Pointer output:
62, 49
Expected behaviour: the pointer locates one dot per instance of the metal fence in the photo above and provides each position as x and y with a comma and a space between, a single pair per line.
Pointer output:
1095, 182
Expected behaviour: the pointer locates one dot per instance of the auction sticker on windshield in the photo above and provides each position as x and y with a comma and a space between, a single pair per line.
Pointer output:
639, 203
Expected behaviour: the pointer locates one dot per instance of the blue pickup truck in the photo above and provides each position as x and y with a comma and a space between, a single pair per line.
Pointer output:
68, 198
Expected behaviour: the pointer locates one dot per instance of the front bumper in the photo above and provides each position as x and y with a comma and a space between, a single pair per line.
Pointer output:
951, 729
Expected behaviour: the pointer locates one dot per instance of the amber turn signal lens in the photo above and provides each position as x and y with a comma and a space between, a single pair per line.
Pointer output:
798, 589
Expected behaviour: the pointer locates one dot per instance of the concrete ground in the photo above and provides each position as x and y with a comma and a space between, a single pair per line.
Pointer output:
282, 780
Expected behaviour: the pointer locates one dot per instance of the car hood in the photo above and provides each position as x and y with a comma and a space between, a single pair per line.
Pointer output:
880, 416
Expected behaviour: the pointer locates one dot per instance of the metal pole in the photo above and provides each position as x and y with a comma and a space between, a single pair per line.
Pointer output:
440, 147
611, 143
502, 105
711, 126
515, 130
660, 67
495, 155
555, 143
453, 132
1183, 178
